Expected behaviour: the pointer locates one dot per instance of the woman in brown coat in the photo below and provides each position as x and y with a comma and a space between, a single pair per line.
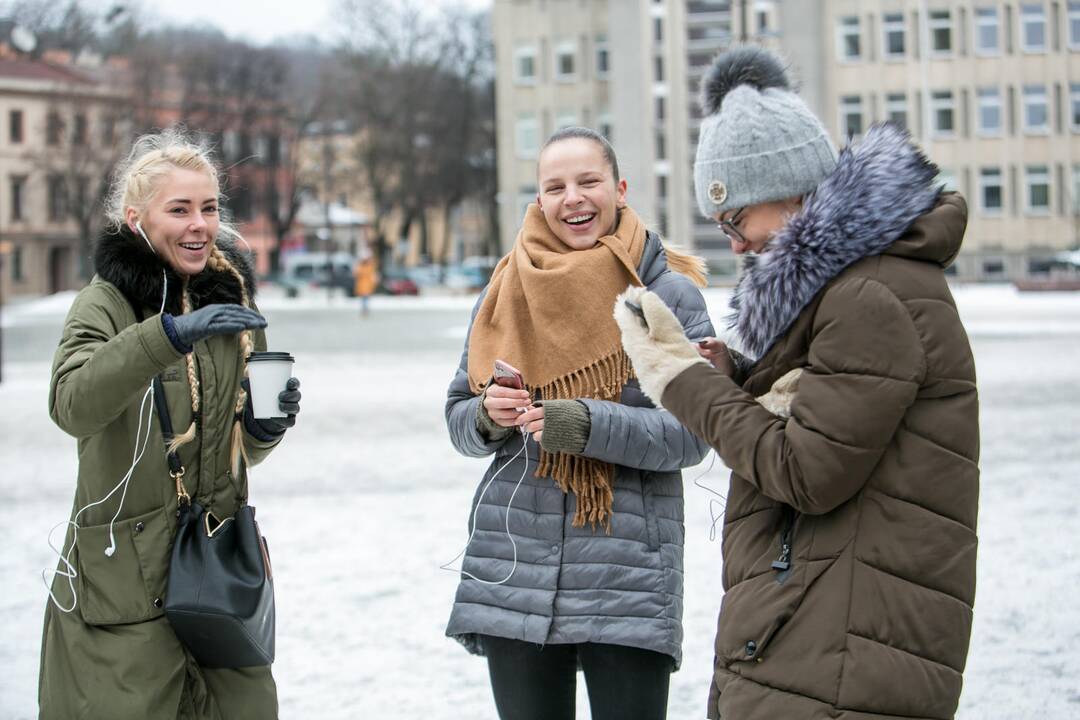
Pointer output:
849, 534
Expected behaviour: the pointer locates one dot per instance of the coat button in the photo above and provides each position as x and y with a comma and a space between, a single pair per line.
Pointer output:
751, 648
158, 603
554, 548
139, 527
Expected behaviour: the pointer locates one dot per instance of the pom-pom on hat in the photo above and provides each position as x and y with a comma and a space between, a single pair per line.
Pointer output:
759, 142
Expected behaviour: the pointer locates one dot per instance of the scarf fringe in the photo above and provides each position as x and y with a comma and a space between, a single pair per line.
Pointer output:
590, 480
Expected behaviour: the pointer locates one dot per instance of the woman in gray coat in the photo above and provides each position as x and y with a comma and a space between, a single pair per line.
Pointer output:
574, 556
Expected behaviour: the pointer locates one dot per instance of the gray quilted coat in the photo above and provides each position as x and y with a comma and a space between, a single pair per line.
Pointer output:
575, 585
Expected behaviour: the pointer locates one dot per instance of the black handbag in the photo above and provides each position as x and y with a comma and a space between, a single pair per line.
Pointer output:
220, 597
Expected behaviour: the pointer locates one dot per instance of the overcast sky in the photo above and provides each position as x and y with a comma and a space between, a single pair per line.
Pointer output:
264, 20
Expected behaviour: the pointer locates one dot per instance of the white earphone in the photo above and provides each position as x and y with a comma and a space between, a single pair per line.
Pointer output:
69, 572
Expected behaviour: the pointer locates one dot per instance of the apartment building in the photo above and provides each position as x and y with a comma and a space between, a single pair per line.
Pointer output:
58, 129
990, 89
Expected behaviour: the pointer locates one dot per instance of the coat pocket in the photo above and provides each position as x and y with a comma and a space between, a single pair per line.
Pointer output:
648, 504
755, 610
129, 586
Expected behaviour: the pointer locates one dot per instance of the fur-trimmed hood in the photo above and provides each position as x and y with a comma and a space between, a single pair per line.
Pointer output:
124, 259
867, 206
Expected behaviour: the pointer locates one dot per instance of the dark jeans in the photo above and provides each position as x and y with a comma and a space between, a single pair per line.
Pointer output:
540, 683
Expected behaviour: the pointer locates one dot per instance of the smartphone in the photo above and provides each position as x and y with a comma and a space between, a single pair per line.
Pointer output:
636, 309
508, 376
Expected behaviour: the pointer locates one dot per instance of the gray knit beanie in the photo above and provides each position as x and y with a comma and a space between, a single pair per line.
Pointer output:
759, 142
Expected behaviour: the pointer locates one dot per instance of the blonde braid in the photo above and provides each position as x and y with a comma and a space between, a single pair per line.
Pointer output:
220, 263
193, 381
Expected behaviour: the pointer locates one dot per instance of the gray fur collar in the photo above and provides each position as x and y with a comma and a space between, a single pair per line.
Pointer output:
878, 189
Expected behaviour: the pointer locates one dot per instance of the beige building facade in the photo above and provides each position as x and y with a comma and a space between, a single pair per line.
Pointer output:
58, 128
991, 90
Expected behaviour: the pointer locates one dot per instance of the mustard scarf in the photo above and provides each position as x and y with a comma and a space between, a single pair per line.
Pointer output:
547, 312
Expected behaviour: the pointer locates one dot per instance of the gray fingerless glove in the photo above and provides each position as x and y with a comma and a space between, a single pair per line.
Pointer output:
566, 426
218, 319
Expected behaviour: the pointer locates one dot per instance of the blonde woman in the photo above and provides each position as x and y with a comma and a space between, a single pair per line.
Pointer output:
172, 297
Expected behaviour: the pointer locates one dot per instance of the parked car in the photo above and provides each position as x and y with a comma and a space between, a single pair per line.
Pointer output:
396, 281
311, 269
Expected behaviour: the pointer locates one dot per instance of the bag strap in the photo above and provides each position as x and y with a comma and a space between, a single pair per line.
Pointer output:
176, 468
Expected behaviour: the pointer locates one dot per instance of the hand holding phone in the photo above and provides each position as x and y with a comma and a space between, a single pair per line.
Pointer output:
506, 397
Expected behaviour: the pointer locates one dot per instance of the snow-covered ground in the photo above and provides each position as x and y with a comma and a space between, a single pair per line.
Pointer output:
366, 499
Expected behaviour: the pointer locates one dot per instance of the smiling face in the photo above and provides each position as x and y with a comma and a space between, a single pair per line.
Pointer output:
750, 229
181, 219
578, 192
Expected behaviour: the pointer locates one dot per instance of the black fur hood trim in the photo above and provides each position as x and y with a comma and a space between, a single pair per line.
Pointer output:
879, 188
122, 258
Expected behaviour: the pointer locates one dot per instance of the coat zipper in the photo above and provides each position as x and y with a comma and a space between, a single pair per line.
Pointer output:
782, 564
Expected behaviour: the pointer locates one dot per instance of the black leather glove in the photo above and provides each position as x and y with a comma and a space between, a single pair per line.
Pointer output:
215, 320
270, 428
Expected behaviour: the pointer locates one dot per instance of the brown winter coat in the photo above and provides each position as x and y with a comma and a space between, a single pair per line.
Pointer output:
873, 480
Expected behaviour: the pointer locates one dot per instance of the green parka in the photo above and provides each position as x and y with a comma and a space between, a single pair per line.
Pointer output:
849, 533
115, 655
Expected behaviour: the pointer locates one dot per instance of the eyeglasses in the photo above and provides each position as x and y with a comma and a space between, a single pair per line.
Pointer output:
728, 228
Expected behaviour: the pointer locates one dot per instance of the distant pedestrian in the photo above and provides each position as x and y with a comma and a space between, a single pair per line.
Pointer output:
172, 297
849, 534
366, 274
575, 554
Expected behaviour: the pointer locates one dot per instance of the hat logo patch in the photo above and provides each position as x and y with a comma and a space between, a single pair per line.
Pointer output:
717, 192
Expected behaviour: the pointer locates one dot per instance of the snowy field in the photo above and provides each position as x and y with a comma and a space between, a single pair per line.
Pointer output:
366, 498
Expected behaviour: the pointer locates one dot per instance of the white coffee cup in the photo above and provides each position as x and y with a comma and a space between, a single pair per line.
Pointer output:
268, 373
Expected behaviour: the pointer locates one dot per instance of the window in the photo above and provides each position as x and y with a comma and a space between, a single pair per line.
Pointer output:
565, 119
603, 60
943, 113
658, 69
896, 109
18, 196
1074, 25
1033, 28
1036, 112
58, 206
1076, 190
15, 127
566, 61
661, 108
82, 193
661, 146
604, 125
892, 25
17, 264
108, 130
989, 113
1037, 194
947, 180
851, 117
54, 128
991, 195
661, 186
940, 32
526, 196
525, 66
1074, 107
658, 30
79, 136
527, 136
987, 41
848, 45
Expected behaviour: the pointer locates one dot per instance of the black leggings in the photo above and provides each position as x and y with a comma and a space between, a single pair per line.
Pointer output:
540, 683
